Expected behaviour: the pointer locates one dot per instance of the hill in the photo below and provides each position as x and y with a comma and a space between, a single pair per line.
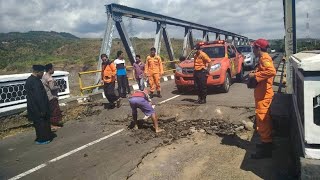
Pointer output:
18, 51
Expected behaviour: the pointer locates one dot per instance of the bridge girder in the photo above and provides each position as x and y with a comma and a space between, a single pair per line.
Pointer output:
115, 12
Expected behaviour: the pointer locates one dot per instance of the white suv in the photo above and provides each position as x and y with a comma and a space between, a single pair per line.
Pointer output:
249, 58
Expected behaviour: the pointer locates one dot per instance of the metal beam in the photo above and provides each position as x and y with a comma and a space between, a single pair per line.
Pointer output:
105, 46
145, 15
125, 38
205, 36
167, 42
185, 41
217, 36
157, 39
191, 39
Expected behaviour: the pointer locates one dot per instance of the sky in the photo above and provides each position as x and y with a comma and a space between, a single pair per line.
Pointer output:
87, 18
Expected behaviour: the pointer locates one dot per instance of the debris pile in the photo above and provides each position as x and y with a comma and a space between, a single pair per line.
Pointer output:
175, 130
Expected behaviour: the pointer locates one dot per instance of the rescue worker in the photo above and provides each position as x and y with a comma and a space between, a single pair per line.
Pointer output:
141, 100
202, 66
263, 94
108, 77
154, 71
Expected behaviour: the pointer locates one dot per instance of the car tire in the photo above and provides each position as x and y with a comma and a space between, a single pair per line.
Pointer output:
226, 85
239, 76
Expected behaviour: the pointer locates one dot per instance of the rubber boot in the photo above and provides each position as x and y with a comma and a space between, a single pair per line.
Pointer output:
265, 145
159, 95
199, 100
262, 153
204, 100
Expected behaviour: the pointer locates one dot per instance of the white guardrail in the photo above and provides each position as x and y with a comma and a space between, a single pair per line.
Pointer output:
303, 79
13, 94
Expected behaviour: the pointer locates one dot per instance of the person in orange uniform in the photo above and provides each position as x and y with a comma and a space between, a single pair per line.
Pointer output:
263, 94
108, 77
202, 66
154, 71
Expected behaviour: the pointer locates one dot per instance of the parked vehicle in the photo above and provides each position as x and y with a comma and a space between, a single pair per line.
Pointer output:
250, 60
227, 63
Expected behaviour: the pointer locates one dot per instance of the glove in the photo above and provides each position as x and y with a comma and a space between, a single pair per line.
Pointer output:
252, 83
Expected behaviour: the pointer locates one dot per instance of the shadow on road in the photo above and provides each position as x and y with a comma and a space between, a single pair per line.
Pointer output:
261, 168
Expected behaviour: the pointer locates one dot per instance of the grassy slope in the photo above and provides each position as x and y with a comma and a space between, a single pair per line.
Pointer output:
18, 51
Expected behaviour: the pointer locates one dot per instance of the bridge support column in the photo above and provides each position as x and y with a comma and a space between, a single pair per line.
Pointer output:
188, 39
157, 39
167, 42
205, 36
125, 38
106, 44
233, 40
218, 36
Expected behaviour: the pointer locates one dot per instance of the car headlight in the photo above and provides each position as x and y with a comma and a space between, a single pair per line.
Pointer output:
178, 69
215, 67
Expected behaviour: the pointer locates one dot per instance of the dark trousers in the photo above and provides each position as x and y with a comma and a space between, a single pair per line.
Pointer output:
43, 129
200, 82
122, 85
128, 87
109, 92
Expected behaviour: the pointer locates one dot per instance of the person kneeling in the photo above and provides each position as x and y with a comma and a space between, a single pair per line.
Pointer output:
141, 99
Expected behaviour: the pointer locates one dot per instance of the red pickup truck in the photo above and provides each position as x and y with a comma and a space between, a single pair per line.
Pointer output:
227, 63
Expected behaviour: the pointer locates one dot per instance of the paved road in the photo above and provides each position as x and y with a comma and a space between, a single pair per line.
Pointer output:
112, 157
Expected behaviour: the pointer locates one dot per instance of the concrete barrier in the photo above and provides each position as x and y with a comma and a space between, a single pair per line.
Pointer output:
13, 94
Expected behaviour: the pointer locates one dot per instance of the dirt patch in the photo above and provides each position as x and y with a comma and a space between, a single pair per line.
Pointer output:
175, 130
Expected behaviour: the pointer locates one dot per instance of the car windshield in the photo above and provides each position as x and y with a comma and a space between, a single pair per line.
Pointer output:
212, 52
244, 49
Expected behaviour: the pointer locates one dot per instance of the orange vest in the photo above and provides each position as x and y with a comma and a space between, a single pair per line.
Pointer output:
109, 73
201, 60
264, 75
153, 65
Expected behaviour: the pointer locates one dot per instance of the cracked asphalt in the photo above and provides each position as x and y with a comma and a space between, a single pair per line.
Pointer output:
200, 142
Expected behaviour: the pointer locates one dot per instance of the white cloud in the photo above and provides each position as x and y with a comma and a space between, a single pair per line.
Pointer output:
252, 18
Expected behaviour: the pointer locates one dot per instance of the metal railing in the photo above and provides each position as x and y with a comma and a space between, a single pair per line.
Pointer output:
91, 87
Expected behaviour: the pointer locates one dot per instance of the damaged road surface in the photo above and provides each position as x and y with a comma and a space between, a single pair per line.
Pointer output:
211, 141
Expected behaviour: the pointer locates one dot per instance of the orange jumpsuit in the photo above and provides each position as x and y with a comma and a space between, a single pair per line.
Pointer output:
263, 95
108, 73
154, 69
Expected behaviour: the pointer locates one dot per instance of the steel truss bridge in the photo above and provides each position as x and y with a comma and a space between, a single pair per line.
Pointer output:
116, 12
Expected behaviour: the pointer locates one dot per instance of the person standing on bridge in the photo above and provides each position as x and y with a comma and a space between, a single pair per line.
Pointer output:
154, 71
141, 100
263, 94
202, 66
121, 75
38, 106
52, 91
138, 68
108, 76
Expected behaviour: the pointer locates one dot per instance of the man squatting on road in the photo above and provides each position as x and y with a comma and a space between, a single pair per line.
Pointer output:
141, 100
